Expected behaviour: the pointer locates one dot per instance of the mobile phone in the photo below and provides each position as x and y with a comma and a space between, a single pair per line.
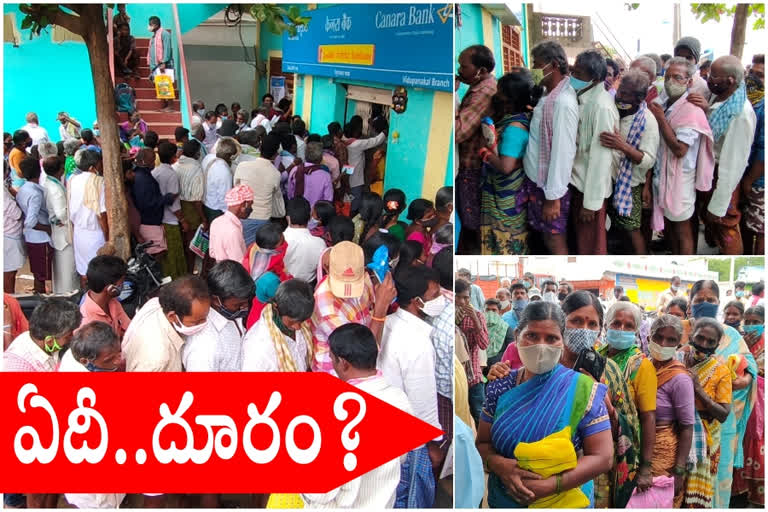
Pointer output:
349, 169
592, 362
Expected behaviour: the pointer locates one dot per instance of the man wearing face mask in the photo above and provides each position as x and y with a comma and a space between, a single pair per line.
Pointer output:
738, 292
154, 340
519, 301
551, 148
95, 348
591, 177
549, 291
675, 290
733, 124
564, 290
407, 357
160, 54
105, 276
218, 347
504, 297
227, 242
636, 144
685, 160
476, 65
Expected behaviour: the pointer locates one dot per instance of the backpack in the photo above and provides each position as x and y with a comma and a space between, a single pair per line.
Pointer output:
125, 98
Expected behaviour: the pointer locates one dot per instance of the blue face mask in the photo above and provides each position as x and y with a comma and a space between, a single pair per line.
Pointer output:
704, 310
759, 329
620, 340
93, 368
739, 294
520, 304
578, 84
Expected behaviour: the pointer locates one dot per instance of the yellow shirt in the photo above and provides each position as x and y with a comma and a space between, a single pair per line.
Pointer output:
644, 387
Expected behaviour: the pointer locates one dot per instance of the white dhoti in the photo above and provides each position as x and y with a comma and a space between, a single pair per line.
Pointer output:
65, 278
86, 243
14, 254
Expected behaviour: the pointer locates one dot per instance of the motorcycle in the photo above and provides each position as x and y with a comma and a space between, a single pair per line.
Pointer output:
143, 280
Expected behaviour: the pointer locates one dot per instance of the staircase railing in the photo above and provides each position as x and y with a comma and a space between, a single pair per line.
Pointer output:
183, 76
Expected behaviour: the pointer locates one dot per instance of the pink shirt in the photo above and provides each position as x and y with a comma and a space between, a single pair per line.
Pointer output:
512, 357
226, 239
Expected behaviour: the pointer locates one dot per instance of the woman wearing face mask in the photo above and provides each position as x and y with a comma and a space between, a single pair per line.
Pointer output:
713, 395
622, 324
733, 314
751, 478
217, 348
733, 352
504, 218
583, 323
106, 275
533, 403
674, 404
422, 214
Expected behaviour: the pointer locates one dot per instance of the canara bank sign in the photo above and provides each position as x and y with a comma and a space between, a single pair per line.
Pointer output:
400, 44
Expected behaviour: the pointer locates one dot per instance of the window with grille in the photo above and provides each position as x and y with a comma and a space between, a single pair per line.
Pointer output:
511, 47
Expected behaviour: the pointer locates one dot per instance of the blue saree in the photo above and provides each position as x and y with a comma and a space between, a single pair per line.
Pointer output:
541, 406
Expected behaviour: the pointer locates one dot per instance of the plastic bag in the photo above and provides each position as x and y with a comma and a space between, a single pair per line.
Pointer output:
164, 87
660, 495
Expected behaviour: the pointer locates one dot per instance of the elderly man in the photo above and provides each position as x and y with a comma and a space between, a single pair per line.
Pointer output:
476, 65
70, 128
94, 348
685, 160
551, 147
226, 239
154, 340
504, 297
218, 177
33, 128
190, 174
591, 177
733, 124
636, 144
218, 347
647, 66
689, 48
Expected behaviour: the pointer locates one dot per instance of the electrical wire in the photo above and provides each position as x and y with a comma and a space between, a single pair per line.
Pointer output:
233, 17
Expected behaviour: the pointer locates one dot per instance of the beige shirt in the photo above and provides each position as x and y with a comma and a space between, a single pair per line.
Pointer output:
151, 344
666, 297
264, 179
649, 146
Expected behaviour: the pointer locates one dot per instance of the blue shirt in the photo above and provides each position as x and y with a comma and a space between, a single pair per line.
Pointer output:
476, 297
511, 318
444, 329
31, 200
468, 466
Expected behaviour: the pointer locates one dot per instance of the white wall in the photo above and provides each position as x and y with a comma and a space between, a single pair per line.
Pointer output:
221, 82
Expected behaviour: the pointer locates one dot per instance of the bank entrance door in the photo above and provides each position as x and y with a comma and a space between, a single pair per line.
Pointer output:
370, 103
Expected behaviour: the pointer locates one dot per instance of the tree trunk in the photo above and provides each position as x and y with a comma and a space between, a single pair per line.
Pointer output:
95, 35
738, 33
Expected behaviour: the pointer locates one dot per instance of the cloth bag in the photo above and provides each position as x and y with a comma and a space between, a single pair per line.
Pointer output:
660, 495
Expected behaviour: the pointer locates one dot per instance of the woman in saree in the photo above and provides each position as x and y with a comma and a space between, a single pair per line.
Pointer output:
751, 478
622, 323
675, 414
712, 392
533, 403
679, 307
504, 218
733, 352
583, 324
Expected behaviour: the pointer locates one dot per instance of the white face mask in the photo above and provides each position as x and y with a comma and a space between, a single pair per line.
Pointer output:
189, 330
674, 89
660, 353
504, 304
550, 297
434, 307
539, 358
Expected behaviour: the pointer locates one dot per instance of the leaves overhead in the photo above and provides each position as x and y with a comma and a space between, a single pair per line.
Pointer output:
276, 18
708, 12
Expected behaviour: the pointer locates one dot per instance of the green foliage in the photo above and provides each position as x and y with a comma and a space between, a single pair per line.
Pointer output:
723, 265
38, 17
707, 12
276, 18
631, 7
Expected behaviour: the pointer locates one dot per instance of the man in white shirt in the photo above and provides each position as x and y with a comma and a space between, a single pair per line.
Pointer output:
591, 177
548, 215
218, 348
94, 348
733, 122
210, 127
299, 130
155, 337
356, 148
198, 112
280, 341
218, 177
70, 128
264, 179
353, 352
304, 250
33, 128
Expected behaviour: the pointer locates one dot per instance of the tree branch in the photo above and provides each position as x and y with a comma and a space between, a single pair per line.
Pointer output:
68, 21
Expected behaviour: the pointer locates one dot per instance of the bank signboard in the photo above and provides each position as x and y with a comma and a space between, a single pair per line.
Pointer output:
399, 44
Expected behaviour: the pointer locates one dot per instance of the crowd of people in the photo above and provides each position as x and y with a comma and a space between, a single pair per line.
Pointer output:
309, 267
590, 158
568, 401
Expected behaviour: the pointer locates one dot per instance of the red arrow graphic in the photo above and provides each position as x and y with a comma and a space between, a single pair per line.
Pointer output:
248, 431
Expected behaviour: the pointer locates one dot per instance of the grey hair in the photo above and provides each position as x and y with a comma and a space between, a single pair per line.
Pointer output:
505, 290
732, 67
623, 306
668, 321
593, 63
86, 158
55, 317
708, 322
227, 149
46, 149
32, 118
636, 82
314, 152
689, 66
71, 146
647, 64
657, 60
92, 339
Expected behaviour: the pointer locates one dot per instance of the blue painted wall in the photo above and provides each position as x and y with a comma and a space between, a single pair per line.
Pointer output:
471, 33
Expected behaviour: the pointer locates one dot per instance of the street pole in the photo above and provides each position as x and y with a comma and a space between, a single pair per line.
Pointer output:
733, 266
676, 24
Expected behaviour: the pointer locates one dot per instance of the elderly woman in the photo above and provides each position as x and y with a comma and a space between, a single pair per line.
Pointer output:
622, 323
635, 147
583, 324
712, 392
70, 148
87, 209
733, 352
674, 404
540, 405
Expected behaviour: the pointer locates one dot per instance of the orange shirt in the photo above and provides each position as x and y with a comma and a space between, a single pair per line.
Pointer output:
15, 158
117, 318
